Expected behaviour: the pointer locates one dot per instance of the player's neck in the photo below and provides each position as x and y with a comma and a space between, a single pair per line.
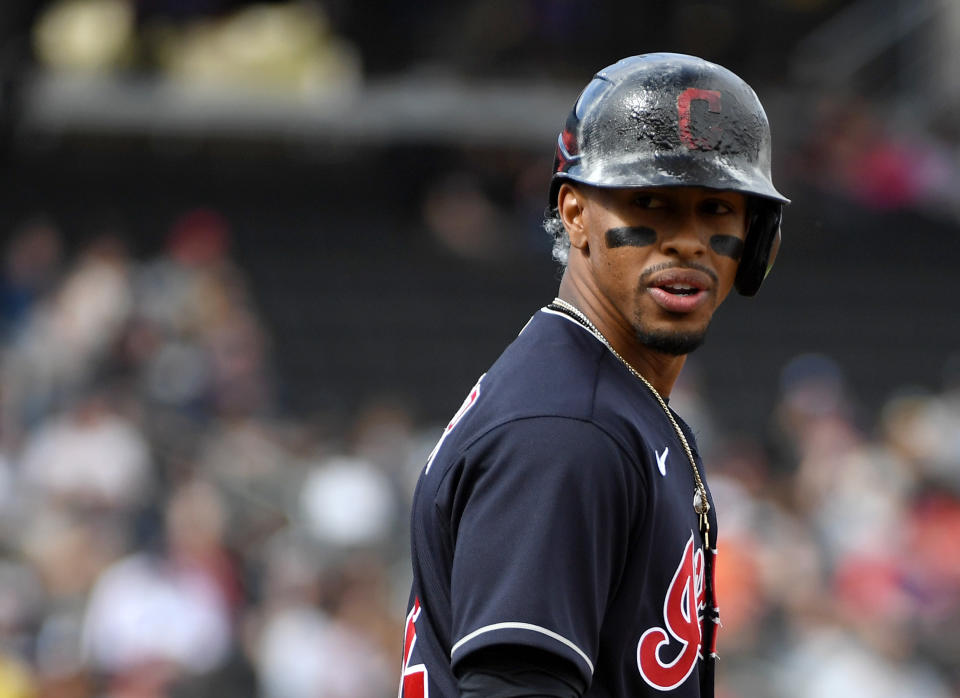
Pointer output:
661, 370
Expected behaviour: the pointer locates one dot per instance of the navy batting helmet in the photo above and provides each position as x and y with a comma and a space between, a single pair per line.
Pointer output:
667, 119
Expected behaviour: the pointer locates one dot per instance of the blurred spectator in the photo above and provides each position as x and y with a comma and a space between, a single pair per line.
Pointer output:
921, 429
31, 265
148, 614
154, 616
311, 640
248, 461
812, 394
348, 503
90, 457
194, 332
68, 336
196, 538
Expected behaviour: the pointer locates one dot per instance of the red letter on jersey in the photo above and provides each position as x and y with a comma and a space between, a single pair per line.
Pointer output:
413, 681
681, 617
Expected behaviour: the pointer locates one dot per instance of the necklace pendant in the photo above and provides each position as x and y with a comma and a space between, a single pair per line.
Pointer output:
700, 505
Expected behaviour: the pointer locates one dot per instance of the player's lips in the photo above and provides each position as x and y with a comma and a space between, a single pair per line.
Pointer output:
679, 290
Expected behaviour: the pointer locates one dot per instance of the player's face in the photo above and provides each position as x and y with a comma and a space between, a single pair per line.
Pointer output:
661, 259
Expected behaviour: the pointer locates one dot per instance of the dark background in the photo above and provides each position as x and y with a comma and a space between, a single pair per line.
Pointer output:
362, 300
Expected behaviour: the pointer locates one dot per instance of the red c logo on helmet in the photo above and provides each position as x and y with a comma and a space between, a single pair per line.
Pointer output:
684, 101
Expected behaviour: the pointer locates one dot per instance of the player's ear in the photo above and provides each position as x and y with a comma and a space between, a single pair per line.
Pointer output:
570, 207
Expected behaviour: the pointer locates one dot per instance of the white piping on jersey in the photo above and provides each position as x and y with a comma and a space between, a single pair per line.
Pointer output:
570, 319
526, 325
523, 626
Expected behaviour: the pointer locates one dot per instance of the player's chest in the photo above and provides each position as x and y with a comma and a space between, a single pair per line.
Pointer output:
657, 628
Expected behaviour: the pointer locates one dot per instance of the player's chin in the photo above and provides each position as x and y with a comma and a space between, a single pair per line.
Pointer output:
672, 341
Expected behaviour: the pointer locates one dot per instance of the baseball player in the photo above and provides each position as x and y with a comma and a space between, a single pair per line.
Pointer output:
563, 534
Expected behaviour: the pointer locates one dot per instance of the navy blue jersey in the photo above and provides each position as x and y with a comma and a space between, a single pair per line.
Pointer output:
556, 511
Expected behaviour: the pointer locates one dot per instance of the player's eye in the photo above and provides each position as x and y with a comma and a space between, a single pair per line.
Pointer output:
716, 207
649, 201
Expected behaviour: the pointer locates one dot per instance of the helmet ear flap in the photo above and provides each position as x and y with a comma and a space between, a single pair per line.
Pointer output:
761, 246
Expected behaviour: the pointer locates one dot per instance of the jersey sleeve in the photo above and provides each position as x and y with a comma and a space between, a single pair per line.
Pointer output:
508, 671
541, 519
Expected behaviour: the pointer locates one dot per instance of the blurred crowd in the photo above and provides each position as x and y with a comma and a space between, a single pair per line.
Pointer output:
165, 531
839, 563
168, 530
851, 146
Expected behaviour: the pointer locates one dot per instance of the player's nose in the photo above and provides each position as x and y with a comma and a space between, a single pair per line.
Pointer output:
686, 238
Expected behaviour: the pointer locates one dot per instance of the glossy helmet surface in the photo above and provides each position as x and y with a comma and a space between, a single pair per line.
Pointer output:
668, 119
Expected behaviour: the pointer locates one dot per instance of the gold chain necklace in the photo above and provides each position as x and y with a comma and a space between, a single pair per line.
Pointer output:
700, 504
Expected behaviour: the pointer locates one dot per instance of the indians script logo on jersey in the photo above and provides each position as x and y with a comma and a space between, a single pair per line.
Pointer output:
667, 655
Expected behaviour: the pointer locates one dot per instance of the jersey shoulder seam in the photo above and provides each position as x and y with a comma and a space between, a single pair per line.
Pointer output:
587, 421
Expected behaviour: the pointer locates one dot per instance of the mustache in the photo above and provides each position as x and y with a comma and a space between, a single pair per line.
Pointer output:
657, 268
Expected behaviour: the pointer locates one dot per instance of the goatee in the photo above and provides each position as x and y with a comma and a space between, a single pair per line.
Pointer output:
672, 343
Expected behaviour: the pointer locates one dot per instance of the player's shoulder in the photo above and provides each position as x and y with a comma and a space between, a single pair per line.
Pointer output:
580, 448
550, 369
556, 367
555, 376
